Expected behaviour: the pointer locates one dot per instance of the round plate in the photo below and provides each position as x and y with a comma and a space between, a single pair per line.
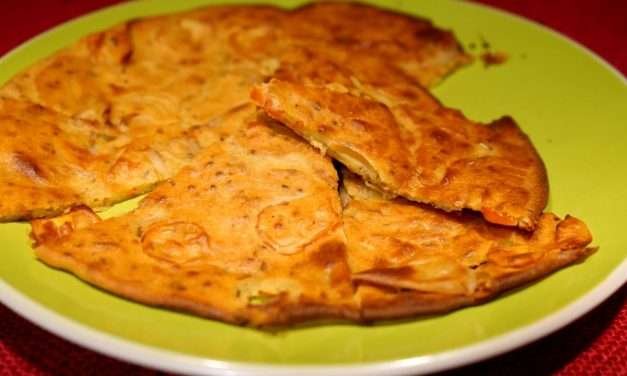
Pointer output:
569, 101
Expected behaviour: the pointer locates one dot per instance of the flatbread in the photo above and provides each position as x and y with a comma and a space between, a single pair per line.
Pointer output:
163, 71
102, 121
410, 43
245, 224
402, 140
51, 162
249, 233
127, 93
409, 258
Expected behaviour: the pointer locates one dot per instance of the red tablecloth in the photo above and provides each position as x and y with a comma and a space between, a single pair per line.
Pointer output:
596, 344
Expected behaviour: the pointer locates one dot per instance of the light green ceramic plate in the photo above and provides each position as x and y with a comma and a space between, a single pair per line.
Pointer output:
571, 103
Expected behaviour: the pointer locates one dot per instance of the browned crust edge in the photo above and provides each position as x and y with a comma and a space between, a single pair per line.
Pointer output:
404, 304
540, 176
277, 315
411, 303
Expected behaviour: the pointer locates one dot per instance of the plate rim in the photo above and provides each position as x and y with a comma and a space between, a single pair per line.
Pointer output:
172, 361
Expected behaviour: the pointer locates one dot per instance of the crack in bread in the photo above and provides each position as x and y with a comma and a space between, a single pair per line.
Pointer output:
387, 129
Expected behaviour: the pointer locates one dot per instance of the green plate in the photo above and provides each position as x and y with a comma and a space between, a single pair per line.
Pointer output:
571, 103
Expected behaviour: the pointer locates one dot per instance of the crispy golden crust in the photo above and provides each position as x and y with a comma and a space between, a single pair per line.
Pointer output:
127, 94
50, 230
250, 233
402, 140
379, 302
409, 258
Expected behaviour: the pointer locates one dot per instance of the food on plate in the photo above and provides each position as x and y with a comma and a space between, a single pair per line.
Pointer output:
269, 245
408, 258
249, 233
403, 141
244, 221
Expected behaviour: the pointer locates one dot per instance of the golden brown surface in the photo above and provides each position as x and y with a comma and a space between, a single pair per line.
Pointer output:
48, 230
125, 105
79, 128
400, 139
411, 44
409, 258
252, 233
249, 233
50, 162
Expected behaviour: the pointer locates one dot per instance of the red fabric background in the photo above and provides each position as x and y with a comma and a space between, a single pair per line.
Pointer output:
596, 344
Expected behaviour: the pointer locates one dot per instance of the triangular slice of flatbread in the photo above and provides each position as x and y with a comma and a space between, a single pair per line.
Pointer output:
249, 233
400, 139
409, 258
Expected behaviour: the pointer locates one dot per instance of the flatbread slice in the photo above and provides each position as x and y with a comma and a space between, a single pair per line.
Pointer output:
249, 233
50, 162
409, 258
403, 141
408, 42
